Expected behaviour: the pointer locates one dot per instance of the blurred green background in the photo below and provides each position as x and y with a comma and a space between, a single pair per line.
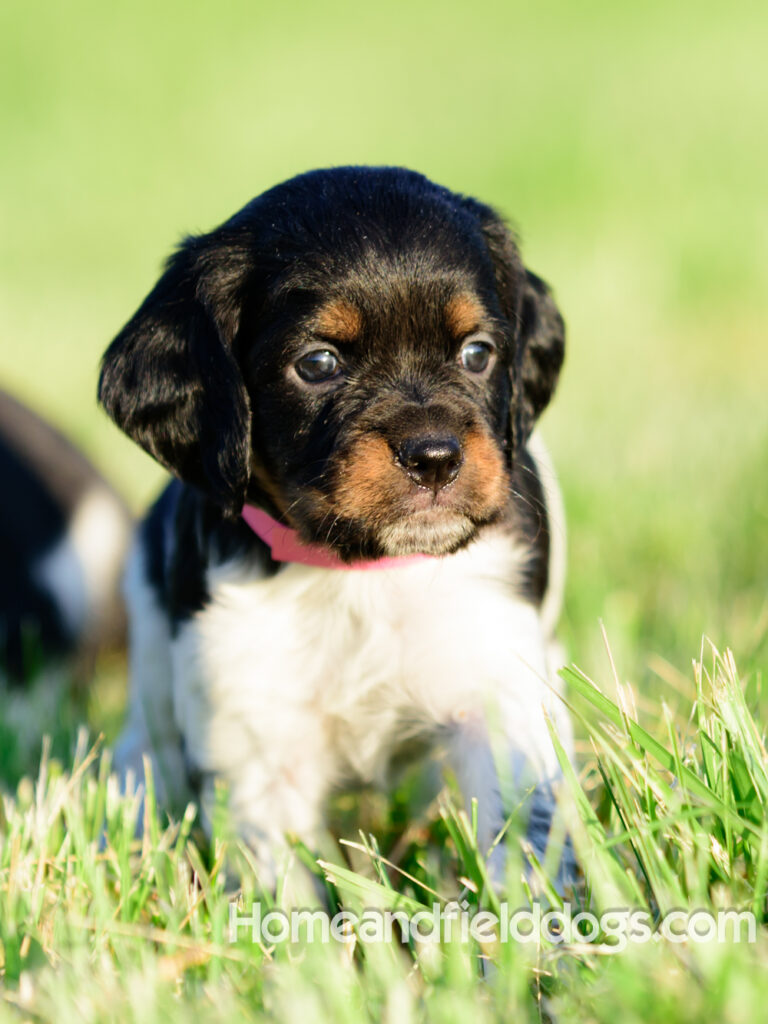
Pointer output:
628, 145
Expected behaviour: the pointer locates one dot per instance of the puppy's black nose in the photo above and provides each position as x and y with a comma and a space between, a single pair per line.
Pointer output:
431, 461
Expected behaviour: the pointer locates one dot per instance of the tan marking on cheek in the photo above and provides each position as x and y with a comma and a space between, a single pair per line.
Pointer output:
367, 479
485, 470
339, 320
463, 314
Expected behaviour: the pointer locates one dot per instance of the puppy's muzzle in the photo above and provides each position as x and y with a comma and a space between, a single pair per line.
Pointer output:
432, 462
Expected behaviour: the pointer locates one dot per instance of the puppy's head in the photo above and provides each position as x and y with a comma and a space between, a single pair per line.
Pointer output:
358, 350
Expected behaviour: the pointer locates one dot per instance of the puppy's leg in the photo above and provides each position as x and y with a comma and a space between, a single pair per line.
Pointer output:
501, 751
269, 801
470, 758
149, 728
505, 783
246, 726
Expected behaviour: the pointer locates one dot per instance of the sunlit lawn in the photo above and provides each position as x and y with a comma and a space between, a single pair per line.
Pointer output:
626, 145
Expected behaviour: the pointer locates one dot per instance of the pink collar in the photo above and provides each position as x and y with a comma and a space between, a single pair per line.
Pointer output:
286, 546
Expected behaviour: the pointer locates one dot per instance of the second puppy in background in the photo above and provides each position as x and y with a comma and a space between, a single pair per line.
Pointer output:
357, 561
64, 533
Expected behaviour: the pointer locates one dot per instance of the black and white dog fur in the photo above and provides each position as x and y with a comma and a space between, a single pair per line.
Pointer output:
360, 353
64, 533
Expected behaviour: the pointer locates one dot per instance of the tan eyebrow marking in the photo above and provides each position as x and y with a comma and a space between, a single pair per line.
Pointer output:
339, 320
463, 314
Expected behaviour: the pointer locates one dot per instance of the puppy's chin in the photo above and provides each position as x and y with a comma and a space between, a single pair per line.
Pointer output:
429, 532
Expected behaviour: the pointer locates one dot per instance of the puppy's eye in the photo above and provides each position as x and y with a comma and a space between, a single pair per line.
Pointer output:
317, 366
475, 356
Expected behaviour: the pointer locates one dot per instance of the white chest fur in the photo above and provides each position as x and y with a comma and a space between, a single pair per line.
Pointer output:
285, 686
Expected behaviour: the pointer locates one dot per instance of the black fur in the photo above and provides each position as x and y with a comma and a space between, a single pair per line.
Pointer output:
43, 479
200, 376
184, 532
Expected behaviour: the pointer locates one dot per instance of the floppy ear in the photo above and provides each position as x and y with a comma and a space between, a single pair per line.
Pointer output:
528, 303
170, 379
542, 339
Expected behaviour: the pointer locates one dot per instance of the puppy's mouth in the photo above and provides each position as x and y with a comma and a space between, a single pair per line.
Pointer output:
427, 494
435, 531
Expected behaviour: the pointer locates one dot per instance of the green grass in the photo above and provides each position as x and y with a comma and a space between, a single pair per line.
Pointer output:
626, 145
623, 142
665, 816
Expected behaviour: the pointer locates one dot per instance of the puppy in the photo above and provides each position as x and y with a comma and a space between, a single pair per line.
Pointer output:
354, 563
63, 537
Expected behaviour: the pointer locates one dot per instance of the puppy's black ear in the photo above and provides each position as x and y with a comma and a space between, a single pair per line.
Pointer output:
542, 340
527, 302
170, 378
